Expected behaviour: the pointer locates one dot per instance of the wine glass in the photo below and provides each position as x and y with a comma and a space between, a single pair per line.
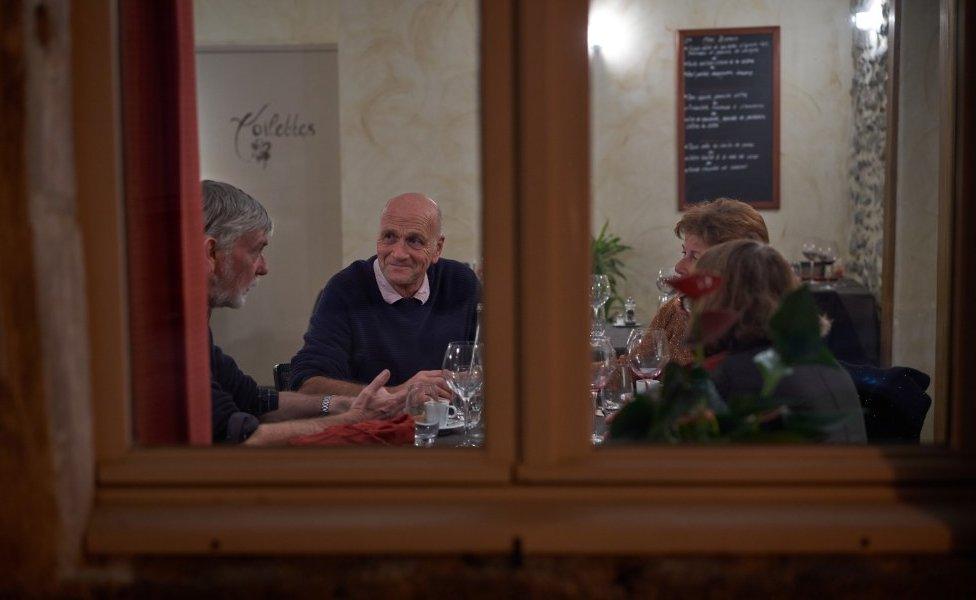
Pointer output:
828, 256
464, 374
809, 250
477, 405
666, 291
602, 357
599, 294
647, 352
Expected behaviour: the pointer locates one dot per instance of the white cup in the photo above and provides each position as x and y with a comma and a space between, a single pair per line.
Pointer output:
443, 410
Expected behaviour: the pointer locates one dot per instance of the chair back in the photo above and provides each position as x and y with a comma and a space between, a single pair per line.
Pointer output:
894, 402
282, 376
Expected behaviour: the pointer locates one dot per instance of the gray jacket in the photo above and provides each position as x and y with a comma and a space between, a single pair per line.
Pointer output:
811, 389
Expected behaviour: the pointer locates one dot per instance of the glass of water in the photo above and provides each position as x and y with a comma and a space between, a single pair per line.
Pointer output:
422, 404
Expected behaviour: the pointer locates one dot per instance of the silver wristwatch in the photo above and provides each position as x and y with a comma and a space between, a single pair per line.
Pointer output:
326, 403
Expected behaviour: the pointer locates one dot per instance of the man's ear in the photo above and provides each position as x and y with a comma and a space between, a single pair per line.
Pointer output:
210, 252
438, 248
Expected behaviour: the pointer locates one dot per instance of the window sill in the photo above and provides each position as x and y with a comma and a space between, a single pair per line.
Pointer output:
306, 466
805, 464
567, 520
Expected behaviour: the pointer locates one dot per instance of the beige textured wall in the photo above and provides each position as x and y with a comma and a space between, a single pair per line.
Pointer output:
913, 343
408, 101
263, 22
408, 121
408, 94
633, 123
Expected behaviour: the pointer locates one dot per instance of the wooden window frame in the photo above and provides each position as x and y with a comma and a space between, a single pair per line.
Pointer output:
538, 486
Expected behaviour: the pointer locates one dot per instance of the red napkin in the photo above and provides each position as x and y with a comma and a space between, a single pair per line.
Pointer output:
393, 432
712, 362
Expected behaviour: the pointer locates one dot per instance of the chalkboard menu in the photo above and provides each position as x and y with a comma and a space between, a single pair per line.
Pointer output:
728, 115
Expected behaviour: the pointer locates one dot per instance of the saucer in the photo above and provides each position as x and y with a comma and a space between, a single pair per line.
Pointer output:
453, 425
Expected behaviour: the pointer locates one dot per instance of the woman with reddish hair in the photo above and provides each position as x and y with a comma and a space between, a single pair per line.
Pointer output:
701, 227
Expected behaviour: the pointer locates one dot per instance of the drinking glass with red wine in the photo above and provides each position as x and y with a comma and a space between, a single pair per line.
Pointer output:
647, 353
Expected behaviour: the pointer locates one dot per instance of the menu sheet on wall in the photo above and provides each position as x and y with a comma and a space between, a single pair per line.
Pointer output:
728, 116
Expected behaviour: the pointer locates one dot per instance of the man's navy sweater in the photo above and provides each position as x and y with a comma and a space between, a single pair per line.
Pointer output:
354, 334
236, 401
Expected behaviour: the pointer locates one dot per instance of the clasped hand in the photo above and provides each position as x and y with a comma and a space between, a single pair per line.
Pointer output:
435, 378
377, 402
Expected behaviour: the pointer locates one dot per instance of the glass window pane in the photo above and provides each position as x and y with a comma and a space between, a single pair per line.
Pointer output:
323, 113
713, 123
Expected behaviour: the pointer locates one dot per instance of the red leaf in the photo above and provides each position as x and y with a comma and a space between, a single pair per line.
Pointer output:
697, 284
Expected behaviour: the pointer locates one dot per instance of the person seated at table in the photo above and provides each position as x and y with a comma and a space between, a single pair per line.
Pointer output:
701, 227
396, 310
236, 231
755, 278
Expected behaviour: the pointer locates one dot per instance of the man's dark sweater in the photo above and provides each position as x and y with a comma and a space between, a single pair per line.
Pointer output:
354, 334
236, 401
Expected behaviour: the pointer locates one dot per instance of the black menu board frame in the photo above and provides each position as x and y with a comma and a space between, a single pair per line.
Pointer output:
766, 146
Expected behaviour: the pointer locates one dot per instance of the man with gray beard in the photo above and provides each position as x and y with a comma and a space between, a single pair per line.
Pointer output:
236, 231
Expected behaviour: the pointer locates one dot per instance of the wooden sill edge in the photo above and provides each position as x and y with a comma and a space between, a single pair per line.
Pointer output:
632, 466
557, 521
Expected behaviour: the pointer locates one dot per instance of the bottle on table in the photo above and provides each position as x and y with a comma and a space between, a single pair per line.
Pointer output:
630, 310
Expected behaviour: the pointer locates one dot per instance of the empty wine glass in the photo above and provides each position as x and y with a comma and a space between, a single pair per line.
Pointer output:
599, 294
647, 352
464, 374
602, 357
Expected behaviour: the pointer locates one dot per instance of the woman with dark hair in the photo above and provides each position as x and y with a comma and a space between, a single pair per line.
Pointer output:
701, 227
755, 278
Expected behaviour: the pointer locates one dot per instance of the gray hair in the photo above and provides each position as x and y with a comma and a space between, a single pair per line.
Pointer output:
229, 213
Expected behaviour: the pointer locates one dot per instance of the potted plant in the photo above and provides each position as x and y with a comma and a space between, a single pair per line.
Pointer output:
606, 249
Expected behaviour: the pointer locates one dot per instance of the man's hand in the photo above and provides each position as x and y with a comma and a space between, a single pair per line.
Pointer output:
375, 402
435, 378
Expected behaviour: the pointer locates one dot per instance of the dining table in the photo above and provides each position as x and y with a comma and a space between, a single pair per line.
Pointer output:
851, 308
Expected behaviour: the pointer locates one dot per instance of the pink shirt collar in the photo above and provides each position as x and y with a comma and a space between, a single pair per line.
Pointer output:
389, 294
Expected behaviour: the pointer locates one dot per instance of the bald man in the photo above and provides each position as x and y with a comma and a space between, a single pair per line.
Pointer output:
396, 310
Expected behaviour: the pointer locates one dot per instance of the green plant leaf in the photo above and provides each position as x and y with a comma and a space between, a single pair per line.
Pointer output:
773, 370
795, 331
634, 420
606, 247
